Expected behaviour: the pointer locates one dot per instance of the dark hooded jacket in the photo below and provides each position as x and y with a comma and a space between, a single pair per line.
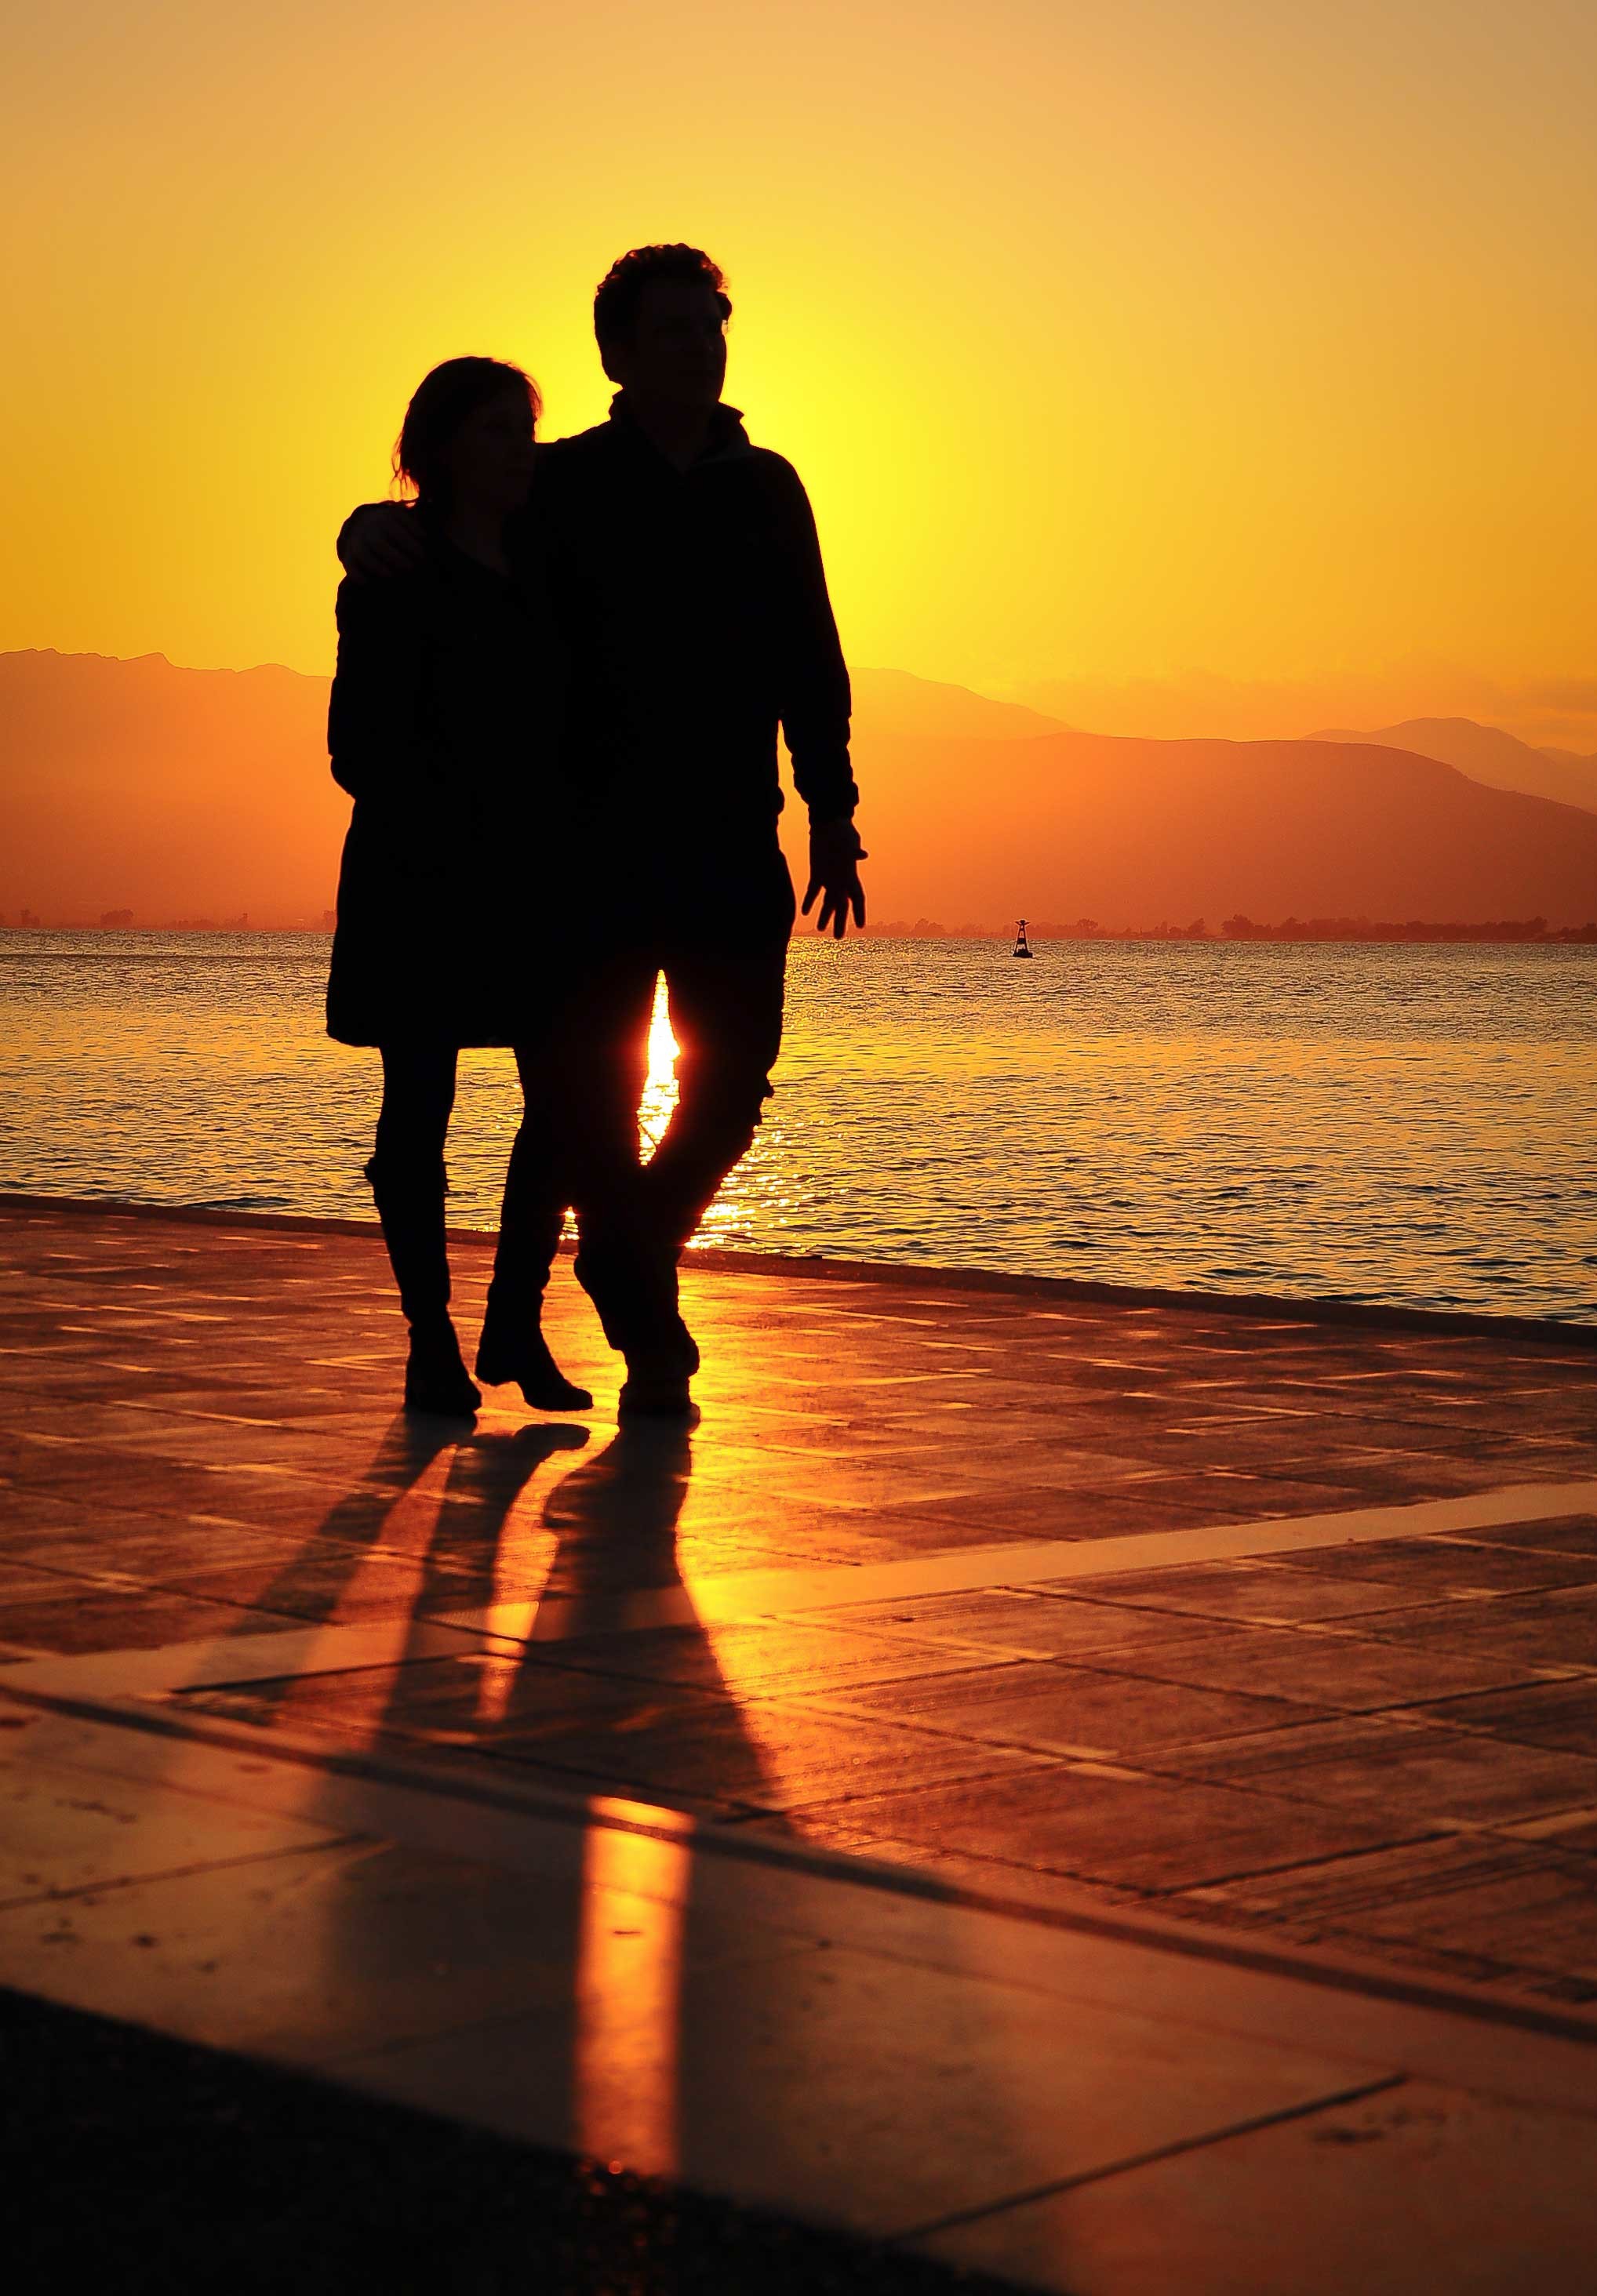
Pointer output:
692, 606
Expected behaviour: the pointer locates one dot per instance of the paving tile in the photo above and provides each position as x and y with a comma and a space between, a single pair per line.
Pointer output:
1044, 1461
288, 1504
98, 1617
889, 1532
761, 1755
64, 1829
1419, 2189
766, 1657
954, 2104
1147, 1833
312, 1953
1574, 1830
346, 1587
1053, 1514
852, 1486
1257, 1591
1320, 1667
1235, 1498
824, 1442
1419, 1773
1064, 1708
90, 1475
152, 1553
1032, 1625
1568, 1534
1452, 1566
1509, 1911
1550, 1629
22, 1582
1561, 1714
468, 1696
594, 1729
1341, 1893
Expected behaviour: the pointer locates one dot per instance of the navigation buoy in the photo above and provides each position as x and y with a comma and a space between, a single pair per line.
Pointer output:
1022, 948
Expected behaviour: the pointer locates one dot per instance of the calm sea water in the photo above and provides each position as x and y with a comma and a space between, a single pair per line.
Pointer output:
1404, 1124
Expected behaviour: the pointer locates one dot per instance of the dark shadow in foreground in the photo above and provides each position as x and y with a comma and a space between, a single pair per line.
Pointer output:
145, 2164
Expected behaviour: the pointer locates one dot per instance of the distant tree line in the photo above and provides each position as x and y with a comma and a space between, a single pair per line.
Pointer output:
1518, 929
1237, 928
1241, 928
126, 921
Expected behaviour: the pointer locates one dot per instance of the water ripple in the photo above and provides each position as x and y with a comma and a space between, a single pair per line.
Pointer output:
1405, 1124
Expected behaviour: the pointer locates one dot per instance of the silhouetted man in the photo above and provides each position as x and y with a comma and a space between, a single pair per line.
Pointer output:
684, 574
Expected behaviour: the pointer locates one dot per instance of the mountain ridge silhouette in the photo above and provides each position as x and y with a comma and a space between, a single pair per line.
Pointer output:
1488, 754
136, 784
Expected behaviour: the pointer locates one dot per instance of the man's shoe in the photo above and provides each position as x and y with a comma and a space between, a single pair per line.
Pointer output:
657, 1392
526, 1363
435, 1377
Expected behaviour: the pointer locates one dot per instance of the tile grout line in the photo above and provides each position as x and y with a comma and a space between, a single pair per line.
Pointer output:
68, 1893
1377, 2086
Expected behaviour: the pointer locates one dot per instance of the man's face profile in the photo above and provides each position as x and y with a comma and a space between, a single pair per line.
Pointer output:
676, 352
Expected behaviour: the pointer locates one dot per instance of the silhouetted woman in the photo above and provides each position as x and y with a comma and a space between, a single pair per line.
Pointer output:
444, 728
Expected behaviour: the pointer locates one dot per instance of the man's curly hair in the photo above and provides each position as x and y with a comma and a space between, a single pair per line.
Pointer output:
616, 305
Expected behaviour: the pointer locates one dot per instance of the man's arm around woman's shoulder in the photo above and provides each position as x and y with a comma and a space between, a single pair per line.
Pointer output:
374, 737
379, 540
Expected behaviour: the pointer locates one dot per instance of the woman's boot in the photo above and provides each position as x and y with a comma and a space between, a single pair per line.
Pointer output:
512, 1349
410, 1205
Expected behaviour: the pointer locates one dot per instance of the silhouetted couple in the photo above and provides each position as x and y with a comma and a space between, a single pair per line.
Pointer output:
560, 679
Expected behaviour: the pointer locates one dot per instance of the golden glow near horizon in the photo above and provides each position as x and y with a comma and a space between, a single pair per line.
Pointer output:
1113, 342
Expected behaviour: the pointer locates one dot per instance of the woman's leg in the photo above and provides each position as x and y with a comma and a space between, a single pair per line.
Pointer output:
406, 1173
513, 1347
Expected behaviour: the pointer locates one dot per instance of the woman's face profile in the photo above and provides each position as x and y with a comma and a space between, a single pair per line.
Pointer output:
489, 461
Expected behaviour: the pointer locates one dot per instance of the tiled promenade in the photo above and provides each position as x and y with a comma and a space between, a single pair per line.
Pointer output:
1047, 1781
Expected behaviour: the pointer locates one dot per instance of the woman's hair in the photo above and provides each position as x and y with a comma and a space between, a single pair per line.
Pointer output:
442, 402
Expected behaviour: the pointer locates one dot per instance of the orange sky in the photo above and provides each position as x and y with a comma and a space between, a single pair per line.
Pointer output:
1119, 340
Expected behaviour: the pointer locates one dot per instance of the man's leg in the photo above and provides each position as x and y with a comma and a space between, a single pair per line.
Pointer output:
513, 1347
725, 1011
600, 1062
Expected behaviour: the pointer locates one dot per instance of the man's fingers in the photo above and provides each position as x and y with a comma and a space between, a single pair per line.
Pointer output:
835, 906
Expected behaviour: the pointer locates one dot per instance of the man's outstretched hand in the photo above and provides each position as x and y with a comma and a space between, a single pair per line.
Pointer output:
835, 854
380, 540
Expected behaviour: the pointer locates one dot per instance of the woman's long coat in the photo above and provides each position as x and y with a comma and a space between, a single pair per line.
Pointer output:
443, 726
